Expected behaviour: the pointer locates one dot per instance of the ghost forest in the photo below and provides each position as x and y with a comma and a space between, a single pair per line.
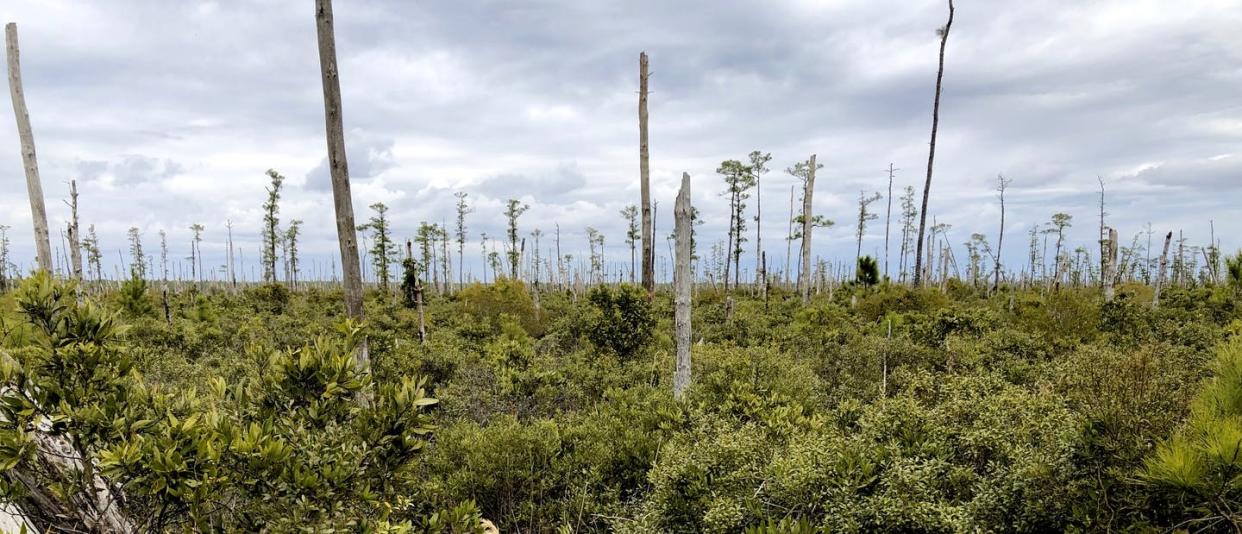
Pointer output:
1093, 387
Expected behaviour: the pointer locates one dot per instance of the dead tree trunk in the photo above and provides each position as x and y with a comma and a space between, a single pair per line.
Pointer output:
1002, 183
644, 177
888, 216
1108, 271
1164, 264
34, 187
339, 167
75, 238
931, 153
682, 279
804, 273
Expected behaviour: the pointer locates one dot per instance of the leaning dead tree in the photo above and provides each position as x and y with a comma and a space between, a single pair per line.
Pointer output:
34, 187
683, 277
339, 167
644, 177
931, 152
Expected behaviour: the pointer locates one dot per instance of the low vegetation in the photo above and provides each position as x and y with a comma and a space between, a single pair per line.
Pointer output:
877, 407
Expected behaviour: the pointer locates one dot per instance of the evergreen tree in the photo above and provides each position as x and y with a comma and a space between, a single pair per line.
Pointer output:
864, 215
271, 223
291, 250
383, 250
138, 266
513, 210
462, 210
739, 179
632, 235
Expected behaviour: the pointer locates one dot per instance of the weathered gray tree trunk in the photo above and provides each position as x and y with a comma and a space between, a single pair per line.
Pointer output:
931, 152
1108, 272
34, 187
683, 278
644, 177
1164, 265
804, 273
339, 167
75, 241
87, 500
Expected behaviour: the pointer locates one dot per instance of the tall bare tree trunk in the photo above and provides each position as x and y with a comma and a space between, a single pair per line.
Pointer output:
682, 279
789, 236
1002, 183
1108, 271
339, 167
804, 273
75, 237
232, 270
931, 153
1164, 264
888, 216
34, 187
644, 177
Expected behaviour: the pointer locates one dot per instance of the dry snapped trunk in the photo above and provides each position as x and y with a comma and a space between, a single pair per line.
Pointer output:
1164, 265
931, 152
683, 277
644, 177
1108, 271
339, 167
34, 187
804, 272
75, 240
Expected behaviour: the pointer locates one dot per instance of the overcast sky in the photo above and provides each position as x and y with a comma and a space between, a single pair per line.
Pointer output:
168, 114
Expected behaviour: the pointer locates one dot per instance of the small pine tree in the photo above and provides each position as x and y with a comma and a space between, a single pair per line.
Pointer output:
868, 272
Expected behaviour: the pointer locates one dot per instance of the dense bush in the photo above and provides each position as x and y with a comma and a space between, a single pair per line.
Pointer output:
876, 408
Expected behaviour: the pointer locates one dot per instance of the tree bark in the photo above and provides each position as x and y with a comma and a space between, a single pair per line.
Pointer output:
804, 273
644, 177
34, 187
682, 280
931, 153
1164, 264
339, 167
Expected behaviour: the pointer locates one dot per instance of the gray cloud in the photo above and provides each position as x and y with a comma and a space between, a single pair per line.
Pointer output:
536, 100
367, 157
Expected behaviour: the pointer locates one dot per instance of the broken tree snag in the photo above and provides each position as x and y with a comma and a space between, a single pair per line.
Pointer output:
804, 273
644, 177
1164, 264
683, 277
75, 240
1109, 272
34, 187
339, 168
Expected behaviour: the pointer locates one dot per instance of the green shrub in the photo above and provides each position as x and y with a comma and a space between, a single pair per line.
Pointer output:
618, 319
